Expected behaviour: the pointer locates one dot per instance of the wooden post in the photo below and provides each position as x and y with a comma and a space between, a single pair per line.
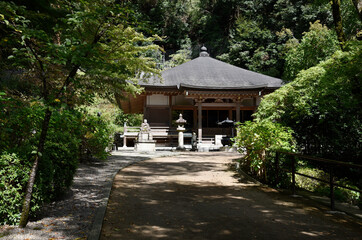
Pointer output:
293, 175
124, 135
331, 187
276, 168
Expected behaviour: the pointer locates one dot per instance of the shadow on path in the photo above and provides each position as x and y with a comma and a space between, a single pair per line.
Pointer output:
194, 196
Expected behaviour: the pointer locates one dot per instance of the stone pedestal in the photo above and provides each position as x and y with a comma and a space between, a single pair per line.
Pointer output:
145, 142
218, 139
228, 149
145, 146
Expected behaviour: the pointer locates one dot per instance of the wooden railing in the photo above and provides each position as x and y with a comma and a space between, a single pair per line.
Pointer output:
127, 129
168, 134
156, 132
331, 165
208, 140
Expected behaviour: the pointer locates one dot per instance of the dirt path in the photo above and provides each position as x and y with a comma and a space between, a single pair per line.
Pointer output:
194, 196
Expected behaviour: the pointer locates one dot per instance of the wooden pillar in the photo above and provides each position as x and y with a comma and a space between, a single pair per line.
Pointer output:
238, 111
254, 103
170, 111
195, 119
237, 108
199, 131
199, 120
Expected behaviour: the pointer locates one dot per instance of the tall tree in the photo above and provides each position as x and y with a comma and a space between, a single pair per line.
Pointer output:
89, 49
337, 17
317, 45
257, 36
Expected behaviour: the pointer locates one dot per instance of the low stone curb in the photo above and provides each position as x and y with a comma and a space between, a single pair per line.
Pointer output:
95, 232
96, 229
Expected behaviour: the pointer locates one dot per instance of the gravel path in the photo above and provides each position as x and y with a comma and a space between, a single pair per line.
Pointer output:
73, 217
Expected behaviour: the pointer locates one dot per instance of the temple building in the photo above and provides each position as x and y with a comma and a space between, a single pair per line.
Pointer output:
205, 91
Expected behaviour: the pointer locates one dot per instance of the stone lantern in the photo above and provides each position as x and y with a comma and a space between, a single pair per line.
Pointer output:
181, 129
226, 140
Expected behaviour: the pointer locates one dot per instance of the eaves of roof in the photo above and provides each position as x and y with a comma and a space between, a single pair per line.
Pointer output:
210, 73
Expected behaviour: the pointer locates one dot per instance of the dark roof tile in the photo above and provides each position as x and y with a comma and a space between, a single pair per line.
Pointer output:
209, 73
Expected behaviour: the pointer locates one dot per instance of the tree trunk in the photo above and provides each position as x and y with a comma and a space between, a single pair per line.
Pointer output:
262, 170
29, 188
118, 99
337, 18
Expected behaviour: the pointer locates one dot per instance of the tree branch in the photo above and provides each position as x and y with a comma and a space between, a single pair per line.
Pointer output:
28, 44
75, 68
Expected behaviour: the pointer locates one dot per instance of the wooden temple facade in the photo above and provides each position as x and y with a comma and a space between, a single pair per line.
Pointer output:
206, 91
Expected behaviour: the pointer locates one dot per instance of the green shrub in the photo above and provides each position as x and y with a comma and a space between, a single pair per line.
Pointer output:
322, 106
17, 122
308, 183
14, 174
349, 196
69, 132
61, 153
130, 119
258, 140
96, 137
341, 194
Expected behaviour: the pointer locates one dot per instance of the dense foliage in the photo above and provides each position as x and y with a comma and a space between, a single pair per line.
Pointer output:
258, 140
244, 33
129, 119
249, 34
318, 187
73, 135
317, 45
323, 107
255, 48
14, 175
